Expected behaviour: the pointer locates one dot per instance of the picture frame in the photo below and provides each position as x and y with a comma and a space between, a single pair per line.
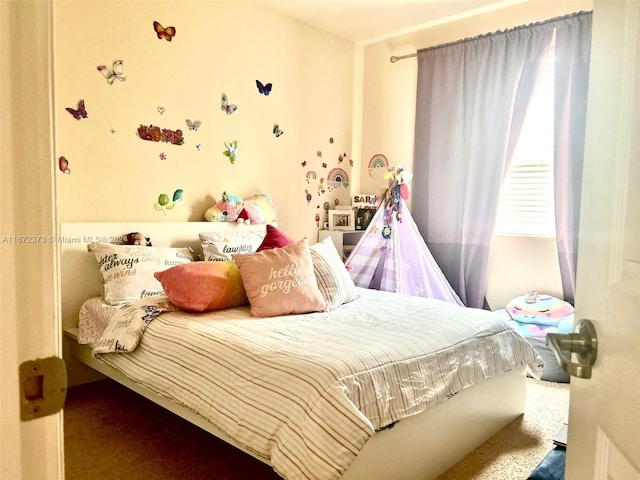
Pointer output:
363, 218
341, 220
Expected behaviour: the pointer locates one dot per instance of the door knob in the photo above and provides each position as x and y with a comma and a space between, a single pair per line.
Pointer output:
583, 342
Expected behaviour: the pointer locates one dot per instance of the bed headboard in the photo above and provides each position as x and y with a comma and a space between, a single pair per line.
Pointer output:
79, 274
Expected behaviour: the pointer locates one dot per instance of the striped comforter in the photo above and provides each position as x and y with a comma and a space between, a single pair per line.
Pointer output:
306, 392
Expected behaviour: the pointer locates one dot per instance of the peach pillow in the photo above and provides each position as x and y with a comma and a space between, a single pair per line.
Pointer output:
280, 281
204, 286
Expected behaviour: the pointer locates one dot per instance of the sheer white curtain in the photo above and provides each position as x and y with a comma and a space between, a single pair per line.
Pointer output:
471, 102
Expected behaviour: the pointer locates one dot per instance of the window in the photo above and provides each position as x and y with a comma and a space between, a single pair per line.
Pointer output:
527, 200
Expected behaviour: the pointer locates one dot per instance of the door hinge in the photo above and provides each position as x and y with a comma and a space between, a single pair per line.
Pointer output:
43, 387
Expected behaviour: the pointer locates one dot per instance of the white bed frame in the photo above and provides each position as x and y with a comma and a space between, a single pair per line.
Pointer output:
421, 447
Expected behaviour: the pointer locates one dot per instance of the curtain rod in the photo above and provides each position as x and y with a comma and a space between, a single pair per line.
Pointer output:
394, 58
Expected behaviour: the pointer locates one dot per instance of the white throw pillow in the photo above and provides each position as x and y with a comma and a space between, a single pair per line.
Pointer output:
127, 270
332, 276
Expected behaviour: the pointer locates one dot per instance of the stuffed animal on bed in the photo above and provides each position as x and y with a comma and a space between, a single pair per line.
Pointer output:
258, 209
226, 210
137, 238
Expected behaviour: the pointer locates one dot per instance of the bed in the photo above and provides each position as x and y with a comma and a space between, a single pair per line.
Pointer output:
376, 420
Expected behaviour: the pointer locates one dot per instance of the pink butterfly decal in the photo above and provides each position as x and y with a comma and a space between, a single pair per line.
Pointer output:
113, 73
79, 112
63, 164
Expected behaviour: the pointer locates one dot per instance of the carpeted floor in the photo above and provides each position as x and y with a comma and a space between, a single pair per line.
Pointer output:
112, 433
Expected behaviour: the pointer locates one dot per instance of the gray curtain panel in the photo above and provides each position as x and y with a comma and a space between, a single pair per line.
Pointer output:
573, 49
471, 102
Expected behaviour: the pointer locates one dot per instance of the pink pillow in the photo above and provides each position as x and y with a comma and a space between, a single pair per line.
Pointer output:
280, 281
204, 286
275, 238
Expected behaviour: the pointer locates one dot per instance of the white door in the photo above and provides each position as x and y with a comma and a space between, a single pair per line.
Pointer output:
604, 416
29, 322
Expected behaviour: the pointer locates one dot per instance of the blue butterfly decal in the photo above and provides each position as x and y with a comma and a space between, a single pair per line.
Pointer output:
263, 89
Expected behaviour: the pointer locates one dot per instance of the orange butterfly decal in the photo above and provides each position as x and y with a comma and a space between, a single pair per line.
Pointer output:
166, 33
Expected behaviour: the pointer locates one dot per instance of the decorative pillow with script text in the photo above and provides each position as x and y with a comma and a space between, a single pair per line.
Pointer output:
128, 270
220, 246
280, 281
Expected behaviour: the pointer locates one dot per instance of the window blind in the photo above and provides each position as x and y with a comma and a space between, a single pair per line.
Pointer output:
527, 195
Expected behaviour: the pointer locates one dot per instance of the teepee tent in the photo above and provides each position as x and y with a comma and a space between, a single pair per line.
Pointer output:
392, 255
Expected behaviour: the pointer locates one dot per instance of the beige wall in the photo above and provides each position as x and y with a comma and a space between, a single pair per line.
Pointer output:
323, 87
388, 124
218, 47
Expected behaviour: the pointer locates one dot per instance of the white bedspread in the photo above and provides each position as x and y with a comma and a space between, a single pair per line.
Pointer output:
305, 392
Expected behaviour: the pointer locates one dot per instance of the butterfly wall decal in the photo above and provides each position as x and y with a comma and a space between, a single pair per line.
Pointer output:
167, 33
63, 165
113, 73
263, 89
193, 125
276, 130
227, 107
79, 112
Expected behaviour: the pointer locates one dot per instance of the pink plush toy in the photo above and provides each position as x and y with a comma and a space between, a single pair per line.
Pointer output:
258, 209
226, 210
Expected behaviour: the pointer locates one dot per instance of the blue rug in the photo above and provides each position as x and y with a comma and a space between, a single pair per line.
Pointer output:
551, 467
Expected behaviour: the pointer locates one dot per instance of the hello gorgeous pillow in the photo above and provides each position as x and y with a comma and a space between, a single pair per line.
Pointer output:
280, 281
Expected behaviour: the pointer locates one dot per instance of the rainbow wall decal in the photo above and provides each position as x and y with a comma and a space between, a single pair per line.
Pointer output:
338, 178
378, 161
311, 175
